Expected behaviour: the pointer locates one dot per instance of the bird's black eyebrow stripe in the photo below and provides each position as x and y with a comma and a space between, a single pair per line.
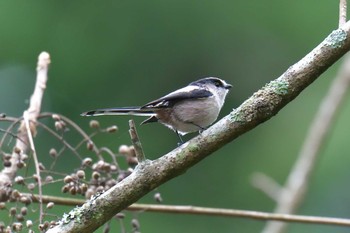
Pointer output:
203, 81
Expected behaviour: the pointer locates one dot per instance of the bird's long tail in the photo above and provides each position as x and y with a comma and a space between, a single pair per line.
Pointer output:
136, 111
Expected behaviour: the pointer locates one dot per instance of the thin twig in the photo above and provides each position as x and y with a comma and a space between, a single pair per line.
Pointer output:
297, 182
111, 154
14, 121
78, 129
36, 162
9, 133
60, 138
342, 12
136, 142
197, 210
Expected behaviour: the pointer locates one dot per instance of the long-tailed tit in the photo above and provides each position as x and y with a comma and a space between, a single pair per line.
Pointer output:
189, 109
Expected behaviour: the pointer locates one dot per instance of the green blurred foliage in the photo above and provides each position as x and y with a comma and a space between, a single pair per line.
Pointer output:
119, 53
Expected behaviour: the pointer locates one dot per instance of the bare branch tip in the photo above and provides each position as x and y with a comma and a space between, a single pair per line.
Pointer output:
136, 142
44, 59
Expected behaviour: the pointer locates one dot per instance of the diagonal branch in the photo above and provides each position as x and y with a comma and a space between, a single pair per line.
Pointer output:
293, 192
264, 104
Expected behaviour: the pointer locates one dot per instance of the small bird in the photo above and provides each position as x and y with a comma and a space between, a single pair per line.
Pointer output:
189, 109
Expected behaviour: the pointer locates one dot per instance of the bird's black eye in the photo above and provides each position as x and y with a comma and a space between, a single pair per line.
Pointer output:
217, 84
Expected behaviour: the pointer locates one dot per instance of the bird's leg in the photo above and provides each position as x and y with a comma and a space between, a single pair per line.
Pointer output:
181, 141
201, 128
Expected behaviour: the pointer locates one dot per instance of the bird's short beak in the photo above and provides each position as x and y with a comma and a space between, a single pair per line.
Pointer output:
228, 86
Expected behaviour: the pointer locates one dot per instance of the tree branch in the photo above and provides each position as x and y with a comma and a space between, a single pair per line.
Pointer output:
264, 104
8, 174
293, 192
342, 12
197, 210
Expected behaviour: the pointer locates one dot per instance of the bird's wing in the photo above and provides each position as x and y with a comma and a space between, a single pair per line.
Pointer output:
188, 92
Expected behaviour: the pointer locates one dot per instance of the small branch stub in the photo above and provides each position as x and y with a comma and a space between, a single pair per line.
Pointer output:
136, 142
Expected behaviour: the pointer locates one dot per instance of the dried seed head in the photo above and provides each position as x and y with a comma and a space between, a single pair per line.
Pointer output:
58, 125
67, 179
19, 180
7, 163
132, 151
83, 187
24, 210
17, 150
100, 189
2, 205
98, 165
132, 161
8, 230
46, 224
114, 168
111, 182
94, 124
87, 162
120, 215
13, 211
121, 177
112, 129
106, 167
15, 193
90, 145
129, 171
7, 156
124, 150
41, 167
158, 198
78, 189
81, 174
135, 224
106, 228
17, 226
20, 164
56, 117
65, 188
41, 227
48, 179
29, 223
31, 186
73, 190
95, 175
89, 193
53, 152
25, 200
35, 177
50, 205
20, 217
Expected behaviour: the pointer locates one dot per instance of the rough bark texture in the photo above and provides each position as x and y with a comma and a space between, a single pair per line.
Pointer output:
264, 104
